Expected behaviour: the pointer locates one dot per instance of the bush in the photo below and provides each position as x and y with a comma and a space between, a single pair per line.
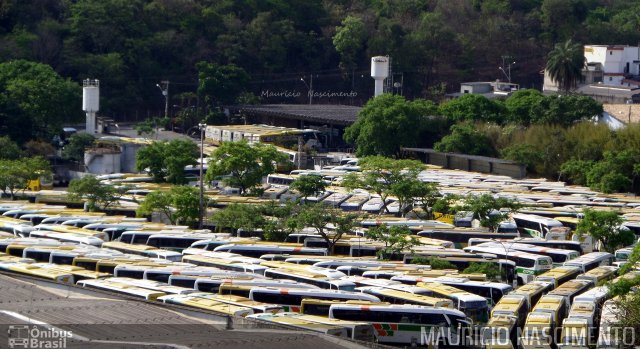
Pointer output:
491, 270
435, 263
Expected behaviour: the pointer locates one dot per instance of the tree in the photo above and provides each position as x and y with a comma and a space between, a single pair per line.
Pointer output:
384, 176
181, 205
221, 84
388, 115
606, 228
520, 106
318, 216
576, 171
243, 165
348, 41
565, 63
9, 150
309, 185
94, 192
38, 148
491, 270
151, 126
167, 160
473, 107
490, 210
15, 174
396, 239
434, 262
35, 101
465, 139
239, 216
77, 145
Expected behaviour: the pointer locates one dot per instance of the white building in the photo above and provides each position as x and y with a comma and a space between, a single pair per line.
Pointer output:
612, 74
614, 63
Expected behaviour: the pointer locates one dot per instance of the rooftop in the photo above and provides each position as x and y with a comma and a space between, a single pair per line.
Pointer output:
323, 113
627, 113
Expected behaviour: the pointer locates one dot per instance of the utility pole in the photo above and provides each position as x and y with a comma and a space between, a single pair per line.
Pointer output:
165, 92
202, 128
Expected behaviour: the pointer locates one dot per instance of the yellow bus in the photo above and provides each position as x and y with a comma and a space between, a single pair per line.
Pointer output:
143, 250
571, 289
320, 307
199, 302
555, 305
599, 274
402, 297
512, 305
474, 306
28, 269
121, 288
538, 331
334, 330
532, 291
559, 275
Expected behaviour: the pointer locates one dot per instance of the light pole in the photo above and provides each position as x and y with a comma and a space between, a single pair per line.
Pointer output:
202, 128
165, 92
310, 87
506, 253
508, 72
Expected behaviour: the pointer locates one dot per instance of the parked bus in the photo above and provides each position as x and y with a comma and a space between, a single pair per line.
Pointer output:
538, 331
559, 275
336, 330
512, 305
491, 291
476, 307
571, 289
600, 274
461, 237
609, 330
404, 324
591, 260
292, 298
320, 307
535, 226
315, 279
532, 292
528, 265
257, 250
195, 301
120, 288
399, 296
558, 256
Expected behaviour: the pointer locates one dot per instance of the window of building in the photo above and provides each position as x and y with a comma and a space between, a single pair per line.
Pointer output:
610, 79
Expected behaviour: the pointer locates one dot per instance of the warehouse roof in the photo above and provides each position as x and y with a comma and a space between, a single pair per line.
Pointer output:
324, 113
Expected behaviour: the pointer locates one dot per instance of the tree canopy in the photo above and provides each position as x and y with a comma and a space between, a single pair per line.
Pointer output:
181, 205
242, 165
96, 194
606, 228
165, 161
565, 64
388, 115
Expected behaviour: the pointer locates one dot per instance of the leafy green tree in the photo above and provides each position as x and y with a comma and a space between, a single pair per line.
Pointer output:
239, 216
309, 185
465, 139
15, 174
9, 150
520, 106
221, 84
383, 116
167, 160
96, 194
565, 63
181, 205
605, 227
243, 164
565, 110
491, 270
616, 172
523, 154
490, 210
35, 101
435, 263
396, 239
78, 143
151, 126
349, 40
576, 171
383, 176
473, 107
447, 204
427, 194
319, 216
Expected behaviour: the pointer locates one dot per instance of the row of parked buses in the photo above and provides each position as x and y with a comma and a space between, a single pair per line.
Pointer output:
349, 295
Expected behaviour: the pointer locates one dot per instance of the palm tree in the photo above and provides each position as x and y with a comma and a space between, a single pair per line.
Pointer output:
565, 63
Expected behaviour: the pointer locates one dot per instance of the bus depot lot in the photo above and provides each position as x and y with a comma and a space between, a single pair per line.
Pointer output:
100, 320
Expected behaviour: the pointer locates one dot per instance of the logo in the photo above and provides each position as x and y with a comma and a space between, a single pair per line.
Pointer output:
32, 337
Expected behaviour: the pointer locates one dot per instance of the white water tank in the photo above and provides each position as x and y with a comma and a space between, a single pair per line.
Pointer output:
91, 95
379, 72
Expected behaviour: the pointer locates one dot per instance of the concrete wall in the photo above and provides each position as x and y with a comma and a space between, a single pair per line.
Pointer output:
102, 163
460, 162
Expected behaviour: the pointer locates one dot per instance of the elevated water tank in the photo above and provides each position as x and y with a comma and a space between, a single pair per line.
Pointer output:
379, 72
91, 95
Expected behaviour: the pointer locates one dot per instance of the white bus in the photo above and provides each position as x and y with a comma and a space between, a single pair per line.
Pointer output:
535, 226
528, 265
405, 324
591, 260
291, 298
558, 256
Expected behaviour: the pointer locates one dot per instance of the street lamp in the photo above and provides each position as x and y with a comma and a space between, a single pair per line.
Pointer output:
202, 128
310, 87
165, 93
506, 253
507, 73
